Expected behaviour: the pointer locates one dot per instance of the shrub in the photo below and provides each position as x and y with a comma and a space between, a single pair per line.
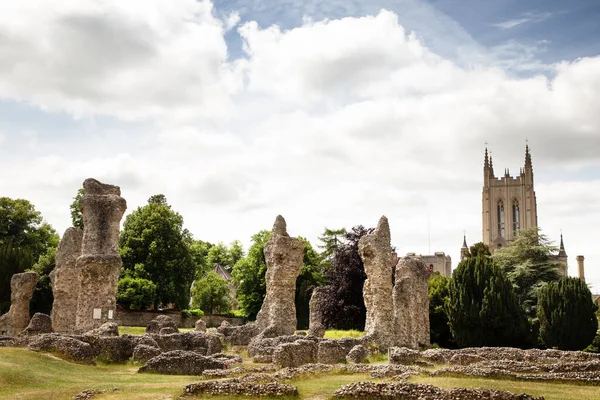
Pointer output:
483, 309
135, 293
211, 293
192, 313
567, 314
439, 287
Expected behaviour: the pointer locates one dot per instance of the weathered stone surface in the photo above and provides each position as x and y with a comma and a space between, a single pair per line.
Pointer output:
266, 346
294, 354
40, 323
402, 355
235, 387
411, 303
107, 329
160, 322
376, 252
69, 347
200, 326
16, 319
66, 281
168, 330
199, 342
180, 362
102, 207
331, 352
91, 393
284, 256
316, 327
110, 349
143, 353
357, 354
242, 335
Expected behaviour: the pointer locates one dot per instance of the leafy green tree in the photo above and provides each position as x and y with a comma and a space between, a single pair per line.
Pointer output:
236, 252
211, 294
311, 276
439, 295
42, 296
249, 274
13, 260
135, 293
567, 314
479, 249
483, 309
24, 227
344, 307
154, 246
528, 264
219, 254
330, 240
75, 207
199, 252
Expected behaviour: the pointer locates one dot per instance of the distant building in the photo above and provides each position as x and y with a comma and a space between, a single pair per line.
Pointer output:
438, 262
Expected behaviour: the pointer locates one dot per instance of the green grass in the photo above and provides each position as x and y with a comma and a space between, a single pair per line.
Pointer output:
140, 330
336, 334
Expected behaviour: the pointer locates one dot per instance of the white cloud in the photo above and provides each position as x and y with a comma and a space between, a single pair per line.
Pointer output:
332, 123
525, 18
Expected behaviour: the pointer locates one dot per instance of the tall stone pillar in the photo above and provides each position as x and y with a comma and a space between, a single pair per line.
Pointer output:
284, 256
411, 303
102, 207
17, 318
580, 267
375, 250
66, 281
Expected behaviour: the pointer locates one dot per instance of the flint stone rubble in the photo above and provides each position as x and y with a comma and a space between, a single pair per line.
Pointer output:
284, 257
294, 354
357, 354
66, 281
200, 326
143, 353
89, 394
16, 319
179, 362
411, 303
235, 387
69, 347
102, 208
316, 327
413, 391
40, 323
107, 329
375, 250
160, 322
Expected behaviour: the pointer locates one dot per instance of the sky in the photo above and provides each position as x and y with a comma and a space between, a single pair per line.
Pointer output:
328, 113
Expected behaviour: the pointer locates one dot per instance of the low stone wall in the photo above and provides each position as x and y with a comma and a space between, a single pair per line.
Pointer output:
142, 318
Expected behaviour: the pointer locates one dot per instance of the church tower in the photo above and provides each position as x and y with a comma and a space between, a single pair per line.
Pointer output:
508, 203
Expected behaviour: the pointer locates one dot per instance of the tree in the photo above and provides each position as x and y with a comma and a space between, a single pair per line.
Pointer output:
154, 246
249, 274
24, 227
236, 251
483, 309
75, 207
567, 314
439, 295
344, 307
528, 264
211, 294
42, 296
219, 254
13, 260
199, 252
479, 249
311, 276
330, 240
135, 293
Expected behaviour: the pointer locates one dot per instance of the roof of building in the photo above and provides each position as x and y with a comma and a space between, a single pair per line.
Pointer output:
222, 272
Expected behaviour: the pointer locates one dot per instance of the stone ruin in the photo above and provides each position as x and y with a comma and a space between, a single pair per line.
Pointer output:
66, 281
99, 263
404, 321
17, 318
284, 257
316, 327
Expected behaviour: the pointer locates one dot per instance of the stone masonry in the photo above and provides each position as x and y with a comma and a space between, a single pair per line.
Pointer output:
66, 281
316, 327
102, 207
17, 318
376, 252
284, 256
411, 303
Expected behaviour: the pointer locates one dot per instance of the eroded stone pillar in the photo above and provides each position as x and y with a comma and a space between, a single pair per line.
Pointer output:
376, 252
411, 303
316, 327
66, 281
284, 256
102, 207
17, 318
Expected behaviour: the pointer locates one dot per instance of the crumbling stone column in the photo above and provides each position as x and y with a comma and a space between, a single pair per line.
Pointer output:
411, 303
17, 318
284, 256
66, 281
316, 327
102, 207
376, 252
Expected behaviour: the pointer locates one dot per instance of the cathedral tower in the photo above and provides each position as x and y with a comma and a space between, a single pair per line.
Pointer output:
509, 203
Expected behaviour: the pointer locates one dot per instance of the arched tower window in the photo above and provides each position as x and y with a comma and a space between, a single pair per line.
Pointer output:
500, 218
516, 215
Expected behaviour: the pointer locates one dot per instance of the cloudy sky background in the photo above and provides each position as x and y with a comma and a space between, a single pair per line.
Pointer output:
329, 113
